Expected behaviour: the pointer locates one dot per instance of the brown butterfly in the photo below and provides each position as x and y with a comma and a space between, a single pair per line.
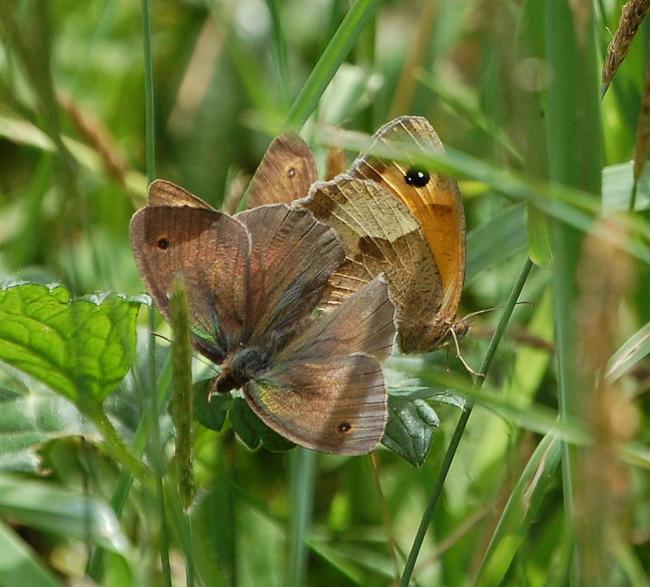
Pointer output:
393, 218
253, 281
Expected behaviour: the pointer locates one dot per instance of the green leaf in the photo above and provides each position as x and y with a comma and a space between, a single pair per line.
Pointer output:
409, 430
253, 431
79, 348
61, 511
18, 566
631, 352
29, 419
210, 413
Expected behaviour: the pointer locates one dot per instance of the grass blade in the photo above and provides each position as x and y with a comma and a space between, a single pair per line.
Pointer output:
303, 473
336, 51
575, 159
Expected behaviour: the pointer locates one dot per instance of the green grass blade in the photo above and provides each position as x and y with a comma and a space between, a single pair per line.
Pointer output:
182, 399
149, 111
182, 410
302, 477
522, 507
334, 54
279, 49
498, 239
530, 104
633, 350
575, 158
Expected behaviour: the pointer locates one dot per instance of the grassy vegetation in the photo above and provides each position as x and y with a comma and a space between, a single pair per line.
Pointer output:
537, 473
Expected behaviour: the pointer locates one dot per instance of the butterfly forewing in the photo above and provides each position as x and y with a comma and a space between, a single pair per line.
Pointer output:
210, 251
285, 173
166, 193
434, 200
381, 235
292, 256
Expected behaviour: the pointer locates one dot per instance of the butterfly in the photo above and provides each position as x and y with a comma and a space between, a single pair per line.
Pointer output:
253, 281
395, 218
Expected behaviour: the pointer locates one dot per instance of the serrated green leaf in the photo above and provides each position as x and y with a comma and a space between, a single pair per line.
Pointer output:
253, 431
409, 430
210, 413
29, 419
80, 348
61, 511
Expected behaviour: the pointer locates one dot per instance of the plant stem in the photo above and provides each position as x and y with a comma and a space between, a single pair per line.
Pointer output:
113, 441
462, 423
302, 474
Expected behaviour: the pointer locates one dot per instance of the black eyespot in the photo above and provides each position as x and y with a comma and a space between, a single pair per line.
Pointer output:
162, 243
344, 427
417, 176
291, 172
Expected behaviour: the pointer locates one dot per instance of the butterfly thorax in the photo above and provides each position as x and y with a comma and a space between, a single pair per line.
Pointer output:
240, 367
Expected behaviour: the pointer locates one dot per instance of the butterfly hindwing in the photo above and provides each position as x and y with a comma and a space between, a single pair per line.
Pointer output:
364, 322
325, 391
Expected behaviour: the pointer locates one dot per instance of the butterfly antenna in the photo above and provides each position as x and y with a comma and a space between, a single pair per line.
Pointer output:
486, 310
460, 356
162, 336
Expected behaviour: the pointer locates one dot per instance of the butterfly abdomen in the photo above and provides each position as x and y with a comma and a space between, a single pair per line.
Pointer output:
241, 367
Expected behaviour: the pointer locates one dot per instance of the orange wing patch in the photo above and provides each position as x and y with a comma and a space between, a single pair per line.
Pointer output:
434, 200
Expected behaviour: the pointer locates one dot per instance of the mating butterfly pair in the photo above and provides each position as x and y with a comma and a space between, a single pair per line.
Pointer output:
383, 243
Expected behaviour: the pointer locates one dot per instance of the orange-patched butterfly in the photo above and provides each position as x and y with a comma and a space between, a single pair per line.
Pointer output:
252, 282
392, 217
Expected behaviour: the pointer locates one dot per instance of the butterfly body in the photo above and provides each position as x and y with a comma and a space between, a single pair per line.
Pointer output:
253, 282
240, 368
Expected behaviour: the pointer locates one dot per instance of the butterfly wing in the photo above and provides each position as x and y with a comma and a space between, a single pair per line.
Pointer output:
211, 251
292, 257
165, 193
436, 205
285, 173
319, 394
381, 235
